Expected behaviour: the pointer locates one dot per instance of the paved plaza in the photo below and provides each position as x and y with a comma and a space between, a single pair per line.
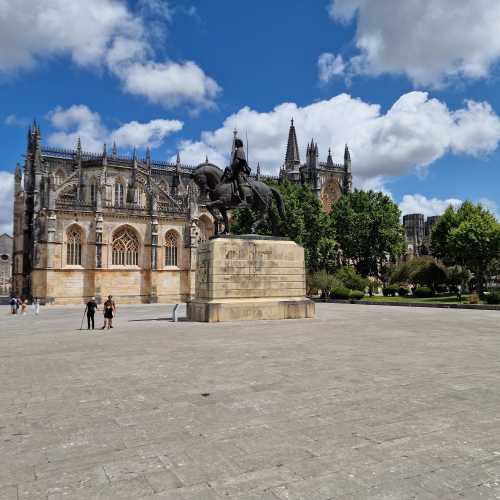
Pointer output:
362, 402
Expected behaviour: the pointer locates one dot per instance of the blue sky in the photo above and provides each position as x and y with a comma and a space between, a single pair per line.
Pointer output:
412, 88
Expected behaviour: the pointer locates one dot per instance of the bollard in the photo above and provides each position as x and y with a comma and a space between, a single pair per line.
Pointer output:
174, 313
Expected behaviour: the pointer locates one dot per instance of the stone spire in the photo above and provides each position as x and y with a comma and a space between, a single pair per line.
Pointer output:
292, 158
258, 171
329, 160
114, 151
347, 159
233, 146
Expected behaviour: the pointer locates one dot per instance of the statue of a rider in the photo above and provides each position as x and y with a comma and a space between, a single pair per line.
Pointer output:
238, 170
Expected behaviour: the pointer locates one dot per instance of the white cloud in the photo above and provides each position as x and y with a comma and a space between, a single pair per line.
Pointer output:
420, 204
102, 34
15, 121
169, 83
429, 41
79, 121
414, 132
6, 201
330, 66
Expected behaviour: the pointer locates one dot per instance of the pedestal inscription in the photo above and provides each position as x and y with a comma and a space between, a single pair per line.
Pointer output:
250, 278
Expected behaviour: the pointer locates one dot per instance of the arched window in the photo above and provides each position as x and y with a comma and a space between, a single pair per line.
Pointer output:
171, 248
119, 199
74, 248
125, 248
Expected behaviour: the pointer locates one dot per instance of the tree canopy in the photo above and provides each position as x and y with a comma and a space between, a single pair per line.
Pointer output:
306, 224
368, 230
468, 236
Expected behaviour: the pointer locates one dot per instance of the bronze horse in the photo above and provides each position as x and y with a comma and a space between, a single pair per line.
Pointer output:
258, 196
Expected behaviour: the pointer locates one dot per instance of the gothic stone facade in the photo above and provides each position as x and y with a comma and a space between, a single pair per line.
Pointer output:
97, 224
89, 224
328, 180
5, 263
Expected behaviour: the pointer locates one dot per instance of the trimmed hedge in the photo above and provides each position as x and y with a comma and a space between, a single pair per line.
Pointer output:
357, 294
340, 292
390, 291
493, 298
423, 292
403, 291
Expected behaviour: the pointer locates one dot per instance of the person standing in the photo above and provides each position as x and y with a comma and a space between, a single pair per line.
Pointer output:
24, 305
13, 305
18, 304
109, 312
91, 308
37, 305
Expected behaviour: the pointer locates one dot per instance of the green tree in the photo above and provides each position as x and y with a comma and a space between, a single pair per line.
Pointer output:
351, 279
306, 223
368, 230
468, 236
420, 271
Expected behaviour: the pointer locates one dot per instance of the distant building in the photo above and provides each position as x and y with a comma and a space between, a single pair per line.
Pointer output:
418, 232
328, 180
6, 246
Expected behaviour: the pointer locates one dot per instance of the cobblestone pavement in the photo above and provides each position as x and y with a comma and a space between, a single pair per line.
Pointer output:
362, 402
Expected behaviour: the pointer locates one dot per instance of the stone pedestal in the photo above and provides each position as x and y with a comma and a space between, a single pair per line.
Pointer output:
249, 278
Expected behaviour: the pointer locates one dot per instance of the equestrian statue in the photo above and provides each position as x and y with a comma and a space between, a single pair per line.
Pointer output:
234, 188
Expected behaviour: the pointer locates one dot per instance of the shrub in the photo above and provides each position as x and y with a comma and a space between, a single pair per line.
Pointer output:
390, 291
403, 291
442, 289
423, 292
493, 298
351, 279
357, 294
321, 280
340, 292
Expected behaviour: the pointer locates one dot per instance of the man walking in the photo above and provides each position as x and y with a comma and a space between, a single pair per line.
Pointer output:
91, 308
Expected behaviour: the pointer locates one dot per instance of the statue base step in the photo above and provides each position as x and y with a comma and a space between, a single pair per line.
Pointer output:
249, 310
242, 278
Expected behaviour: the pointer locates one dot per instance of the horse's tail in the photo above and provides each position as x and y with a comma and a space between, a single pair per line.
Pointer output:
279, 202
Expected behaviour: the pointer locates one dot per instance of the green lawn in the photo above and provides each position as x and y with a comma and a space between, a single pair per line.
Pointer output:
438, 299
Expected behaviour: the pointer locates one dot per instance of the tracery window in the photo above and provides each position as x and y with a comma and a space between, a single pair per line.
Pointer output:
74, 248
119, 191
171, 249
125, 248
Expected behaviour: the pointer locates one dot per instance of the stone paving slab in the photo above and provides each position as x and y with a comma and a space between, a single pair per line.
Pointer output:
365, 403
